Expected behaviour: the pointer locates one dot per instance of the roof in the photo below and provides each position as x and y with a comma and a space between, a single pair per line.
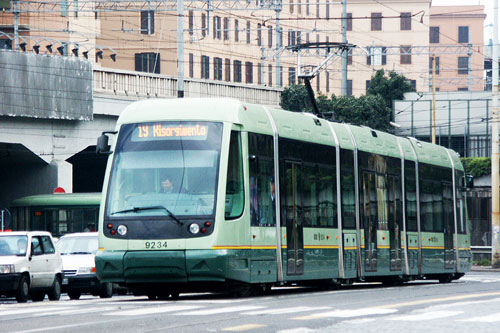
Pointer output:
62, 199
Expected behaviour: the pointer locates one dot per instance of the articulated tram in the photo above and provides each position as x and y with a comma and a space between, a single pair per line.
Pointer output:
207, 193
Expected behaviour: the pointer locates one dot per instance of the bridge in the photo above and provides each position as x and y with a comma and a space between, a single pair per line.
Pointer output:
48, 134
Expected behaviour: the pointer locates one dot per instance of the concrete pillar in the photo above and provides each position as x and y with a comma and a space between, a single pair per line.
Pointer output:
64, 175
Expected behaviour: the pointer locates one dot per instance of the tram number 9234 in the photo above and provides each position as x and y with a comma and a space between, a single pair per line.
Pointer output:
155, 245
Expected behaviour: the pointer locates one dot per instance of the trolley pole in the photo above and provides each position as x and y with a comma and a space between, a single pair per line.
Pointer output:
433, 99
495, 203
344, 52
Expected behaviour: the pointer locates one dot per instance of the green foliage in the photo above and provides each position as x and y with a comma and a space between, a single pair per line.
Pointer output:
373, 110
477, 166
295, 98
482, 262
390, 87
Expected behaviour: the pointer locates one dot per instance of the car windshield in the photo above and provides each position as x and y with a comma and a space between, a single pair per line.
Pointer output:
171, 165
77, 245
13, 245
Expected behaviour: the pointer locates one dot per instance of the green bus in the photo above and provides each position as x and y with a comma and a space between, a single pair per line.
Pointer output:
59, 213
218, 193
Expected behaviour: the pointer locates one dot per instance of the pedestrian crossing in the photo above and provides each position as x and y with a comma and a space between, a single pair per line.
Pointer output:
133, 307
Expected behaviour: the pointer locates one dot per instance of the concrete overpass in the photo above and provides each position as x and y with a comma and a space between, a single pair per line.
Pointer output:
39, 152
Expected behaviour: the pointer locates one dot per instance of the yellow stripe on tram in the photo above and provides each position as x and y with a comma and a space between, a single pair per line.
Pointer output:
433, 247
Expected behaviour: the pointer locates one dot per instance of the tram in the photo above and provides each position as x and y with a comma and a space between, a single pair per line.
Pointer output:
58, 213
258, 196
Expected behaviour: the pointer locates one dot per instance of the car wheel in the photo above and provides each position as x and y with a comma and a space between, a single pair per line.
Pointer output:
106, 290
37, 296
55, 291
74, 294
23, 290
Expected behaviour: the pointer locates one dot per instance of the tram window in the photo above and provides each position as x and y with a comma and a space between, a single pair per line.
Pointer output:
347, 188
437, 206
426, 215
319, 201
382, 202
460, 207
394, 204
448, 207
411, 196
262, 183
234, 186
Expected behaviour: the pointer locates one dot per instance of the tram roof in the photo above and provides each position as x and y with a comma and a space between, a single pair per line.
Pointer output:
292, 125
59, 199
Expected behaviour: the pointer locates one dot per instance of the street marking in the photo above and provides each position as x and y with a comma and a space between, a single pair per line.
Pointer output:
242, 328
298, 330
426, 316
436, 300
222, 310
72, 312
360, 321
30, 310
154, 310
348, 313
487, 319
285, 310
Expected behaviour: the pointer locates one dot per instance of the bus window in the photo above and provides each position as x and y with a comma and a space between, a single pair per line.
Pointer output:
234, 186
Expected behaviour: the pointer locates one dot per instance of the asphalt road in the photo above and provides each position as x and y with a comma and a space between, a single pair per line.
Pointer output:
471, 304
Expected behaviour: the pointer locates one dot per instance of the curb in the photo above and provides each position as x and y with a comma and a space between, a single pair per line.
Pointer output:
484, 269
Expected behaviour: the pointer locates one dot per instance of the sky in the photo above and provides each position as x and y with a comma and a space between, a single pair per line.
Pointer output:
488, 9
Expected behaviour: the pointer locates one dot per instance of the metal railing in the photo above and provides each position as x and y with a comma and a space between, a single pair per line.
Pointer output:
137, 84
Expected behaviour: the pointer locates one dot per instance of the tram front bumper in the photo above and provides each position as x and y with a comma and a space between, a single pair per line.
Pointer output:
141, 266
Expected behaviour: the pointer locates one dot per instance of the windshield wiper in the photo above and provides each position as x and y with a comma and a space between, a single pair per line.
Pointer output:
136, 209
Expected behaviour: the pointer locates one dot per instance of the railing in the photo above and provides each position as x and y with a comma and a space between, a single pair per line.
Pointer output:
138, 84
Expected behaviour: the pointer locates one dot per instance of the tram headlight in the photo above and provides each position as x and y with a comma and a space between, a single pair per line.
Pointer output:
122, 230
194, 228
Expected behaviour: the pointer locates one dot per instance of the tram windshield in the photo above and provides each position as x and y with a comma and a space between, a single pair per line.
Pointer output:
165, 168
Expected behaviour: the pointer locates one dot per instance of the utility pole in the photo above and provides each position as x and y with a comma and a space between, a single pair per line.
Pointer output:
180, 48
279, 43
495, 203
433, 99
15, 11
345, 51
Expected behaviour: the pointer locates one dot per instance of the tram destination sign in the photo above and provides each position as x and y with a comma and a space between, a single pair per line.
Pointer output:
169, 131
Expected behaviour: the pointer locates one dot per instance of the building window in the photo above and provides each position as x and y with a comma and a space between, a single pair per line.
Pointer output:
349, 21
299, 7
203, 25
317, 8
191, 65
248, 72
434, 35
217, 28
349, 87
291, 76
299, 37
191, 22
280, 75
270, 75
147, 22
5, 44
430, 65
463, 34
248, 32
349, 57
217, 68
205, 67
327, 10
270, 36
318, 82
367, 85
236, 31
327, 81
405, 55
291, 38
226, 28
227, 69
413, 84
259, 34
147, 62
463, 89
463, 65
290, 6
377, 56
307, 8
279, 42
405, 21
376, 20
237, 71
259, 73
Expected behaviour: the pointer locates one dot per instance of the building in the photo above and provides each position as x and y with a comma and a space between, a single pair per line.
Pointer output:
461, 26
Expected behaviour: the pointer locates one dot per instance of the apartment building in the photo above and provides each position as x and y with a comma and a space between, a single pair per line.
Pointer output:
458, 26
240, 43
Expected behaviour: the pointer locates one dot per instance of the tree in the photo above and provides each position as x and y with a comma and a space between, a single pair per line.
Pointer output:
363, 111
295, 98
390, 87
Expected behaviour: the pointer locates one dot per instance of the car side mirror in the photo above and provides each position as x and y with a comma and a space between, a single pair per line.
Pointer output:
468, 181
102, 146
252, 158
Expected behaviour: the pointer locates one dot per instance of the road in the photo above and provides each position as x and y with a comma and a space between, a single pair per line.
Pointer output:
469, 304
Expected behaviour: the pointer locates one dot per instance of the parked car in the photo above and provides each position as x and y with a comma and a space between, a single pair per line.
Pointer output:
30, 266
79, 277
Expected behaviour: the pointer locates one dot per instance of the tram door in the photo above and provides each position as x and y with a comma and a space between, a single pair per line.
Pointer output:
294, 216
370, 218
449, 226
394, 219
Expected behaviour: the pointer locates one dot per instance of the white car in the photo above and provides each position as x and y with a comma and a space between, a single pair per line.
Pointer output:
29, 271
79, 277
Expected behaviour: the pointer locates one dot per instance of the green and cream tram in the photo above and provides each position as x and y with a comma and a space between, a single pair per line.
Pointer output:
258, 196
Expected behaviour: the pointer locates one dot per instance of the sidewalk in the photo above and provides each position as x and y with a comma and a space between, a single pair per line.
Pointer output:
484, 269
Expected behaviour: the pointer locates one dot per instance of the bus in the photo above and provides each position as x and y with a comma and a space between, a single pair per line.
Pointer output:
259, 196
58, 213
